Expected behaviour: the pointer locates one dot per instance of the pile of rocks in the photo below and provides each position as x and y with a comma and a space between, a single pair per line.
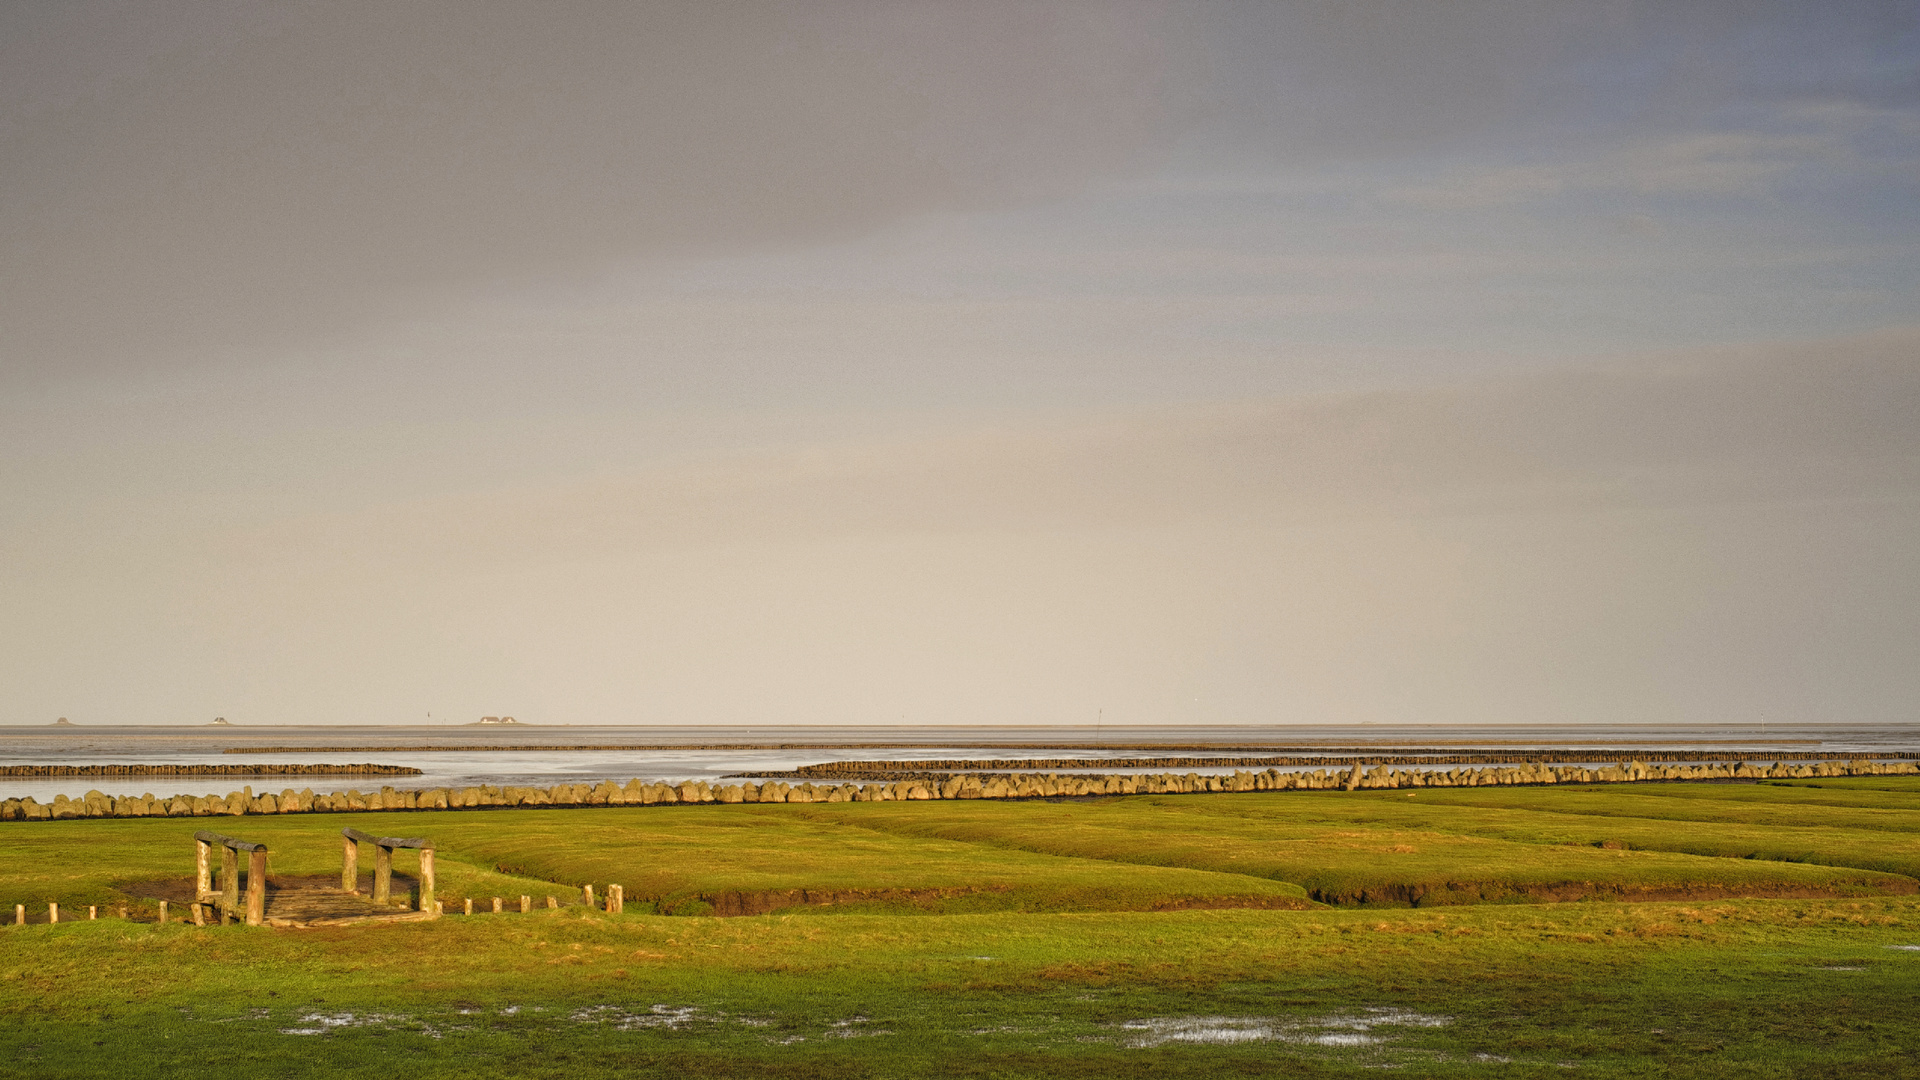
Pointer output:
1022, 786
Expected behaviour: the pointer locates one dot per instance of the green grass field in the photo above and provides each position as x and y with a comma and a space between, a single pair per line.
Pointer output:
1474, 932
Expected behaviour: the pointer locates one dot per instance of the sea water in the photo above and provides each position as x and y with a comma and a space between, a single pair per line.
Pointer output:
541, 755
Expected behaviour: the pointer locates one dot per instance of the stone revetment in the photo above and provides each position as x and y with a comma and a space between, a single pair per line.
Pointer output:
96, 804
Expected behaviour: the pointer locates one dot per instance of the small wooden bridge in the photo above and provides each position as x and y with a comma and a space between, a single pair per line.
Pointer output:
309, 901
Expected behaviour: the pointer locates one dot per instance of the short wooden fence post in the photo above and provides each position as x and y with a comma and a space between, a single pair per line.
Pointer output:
93, 912
616, 900
53, 911
469, 908
19, 914
526, 904
586, 895
163, 913
496, 905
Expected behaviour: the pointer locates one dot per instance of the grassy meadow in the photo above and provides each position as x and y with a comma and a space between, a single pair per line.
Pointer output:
1683, 930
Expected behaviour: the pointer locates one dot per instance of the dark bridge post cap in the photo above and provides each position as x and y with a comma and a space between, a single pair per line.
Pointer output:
224, 840
387, 841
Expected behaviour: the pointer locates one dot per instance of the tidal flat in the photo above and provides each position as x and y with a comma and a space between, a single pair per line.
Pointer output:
1675, 929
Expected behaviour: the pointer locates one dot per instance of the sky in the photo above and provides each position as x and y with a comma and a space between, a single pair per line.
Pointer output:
960, 364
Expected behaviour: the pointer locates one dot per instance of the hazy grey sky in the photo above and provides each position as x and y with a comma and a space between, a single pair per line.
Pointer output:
960, 363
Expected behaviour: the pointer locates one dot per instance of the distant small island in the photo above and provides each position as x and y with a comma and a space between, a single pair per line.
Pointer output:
219, 721
492, 720
63, 722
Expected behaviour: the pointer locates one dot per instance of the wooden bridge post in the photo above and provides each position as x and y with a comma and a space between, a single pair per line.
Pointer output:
426, 879
229, 883
382, 873
227, 903
257, 886
383, 864
349, 864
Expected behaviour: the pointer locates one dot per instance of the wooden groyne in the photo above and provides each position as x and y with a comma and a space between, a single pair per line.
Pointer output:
34, 772
970, 786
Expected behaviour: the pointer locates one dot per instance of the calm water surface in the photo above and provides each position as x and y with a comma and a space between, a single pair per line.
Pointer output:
731, 751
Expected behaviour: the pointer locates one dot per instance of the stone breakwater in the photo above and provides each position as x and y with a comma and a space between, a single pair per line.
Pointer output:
1340, 758
34, 772
1023, 786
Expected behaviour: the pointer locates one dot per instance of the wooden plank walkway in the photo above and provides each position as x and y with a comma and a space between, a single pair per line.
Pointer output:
310, 900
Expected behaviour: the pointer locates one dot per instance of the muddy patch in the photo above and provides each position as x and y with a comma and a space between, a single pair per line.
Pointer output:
1368, 1027
181, 891
658, 1017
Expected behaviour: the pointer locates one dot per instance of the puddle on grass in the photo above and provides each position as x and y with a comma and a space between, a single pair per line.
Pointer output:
319, 1023
1349, 1030
670, 1017
1335, 1029
850, 1029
